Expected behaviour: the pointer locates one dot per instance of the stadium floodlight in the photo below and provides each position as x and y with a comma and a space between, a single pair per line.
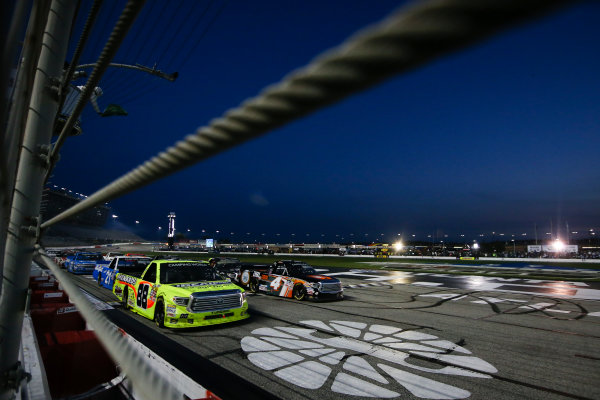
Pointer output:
559, 245
398, 246
476, 245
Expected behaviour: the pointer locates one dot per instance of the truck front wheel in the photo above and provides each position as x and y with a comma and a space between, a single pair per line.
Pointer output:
99, 279
125, 299
299, 292
253, 286
159, 314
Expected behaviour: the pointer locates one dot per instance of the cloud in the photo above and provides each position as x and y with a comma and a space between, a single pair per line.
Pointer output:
258, 199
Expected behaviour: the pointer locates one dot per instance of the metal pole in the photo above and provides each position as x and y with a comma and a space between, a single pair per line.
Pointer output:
24, 221
12, 139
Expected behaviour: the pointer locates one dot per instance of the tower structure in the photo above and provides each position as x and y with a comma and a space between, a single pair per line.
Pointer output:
171, 233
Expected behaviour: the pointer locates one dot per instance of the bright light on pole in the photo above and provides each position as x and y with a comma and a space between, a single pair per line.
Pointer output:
559, 246
398, 246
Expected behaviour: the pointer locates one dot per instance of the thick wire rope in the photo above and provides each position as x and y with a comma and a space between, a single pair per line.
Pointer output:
409, 38
112, 15
136, 94
117, 82
122, 26
114, 82
121, 84
83, 38
204, 32
95, 45
148, 384
139, 87
176, 32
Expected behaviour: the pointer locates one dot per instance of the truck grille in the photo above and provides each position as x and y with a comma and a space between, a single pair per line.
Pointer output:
331, 287
215, 301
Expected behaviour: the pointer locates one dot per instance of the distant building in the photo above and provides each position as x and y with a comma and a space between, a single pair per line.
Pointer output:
57, 201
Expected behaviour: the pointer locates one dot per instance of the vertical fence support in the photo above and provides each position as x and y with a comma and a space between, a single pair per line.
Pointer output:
13, 136
33, 164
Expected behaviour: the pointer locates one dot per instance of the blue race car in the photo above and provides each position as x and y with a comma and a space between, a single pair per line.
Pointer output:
82, 263
105, 273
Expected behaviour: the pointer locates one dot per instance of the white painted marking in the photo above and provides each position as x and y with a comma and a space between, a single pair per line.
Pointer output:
413, 335
362, 367
346, 384
334, 358
332, 350
317, 324
250, 343
413, 346
272, 332
308, 375
446, 344
588, 294
538, 306
274, 359
444, 296
371, 336
345, 330
352, 324
486, 300
424, 387
544, 307
384, 329
474, 363
594, 314
316, 352
292, 343
387, 340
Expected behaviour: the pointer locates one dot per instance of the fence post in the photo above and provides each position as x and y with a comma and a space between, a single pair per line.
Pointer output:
24, 217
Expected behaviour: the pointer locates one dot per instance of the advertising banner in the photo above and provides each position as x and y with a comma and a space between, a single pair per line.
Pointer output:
568, 248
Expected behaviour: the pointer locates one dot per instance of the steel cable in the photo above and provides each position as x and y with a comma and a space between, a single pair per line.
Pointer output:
147, 383
410, 37
117, 36
89, 24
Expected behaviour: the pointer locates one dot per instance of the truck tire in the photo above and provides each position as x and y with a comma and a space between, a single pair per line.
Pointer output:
99, 279
159, 313
253, 286
125, 299
299, 292
245, 277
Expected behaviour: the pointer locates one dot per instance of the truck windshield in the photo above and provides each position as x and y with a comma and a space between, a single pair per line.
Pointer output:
302, 270
90, 257
133, 265
182, 273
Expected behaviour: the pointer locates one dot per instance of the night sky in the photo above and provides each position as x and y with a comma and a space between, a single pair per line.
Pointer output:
501, 137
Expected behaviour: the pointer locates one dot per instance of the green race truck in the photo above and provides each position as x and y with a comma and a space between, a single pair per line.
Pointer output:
181, 294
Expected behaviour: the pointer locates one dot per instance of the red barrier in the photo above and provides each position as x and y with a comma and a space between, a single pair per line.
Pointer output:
48, 296
75, 362
56, 319
43, 285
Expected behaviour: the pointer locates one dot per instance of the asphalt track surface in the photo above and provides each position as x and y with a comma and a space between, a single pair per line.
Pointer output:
411, 336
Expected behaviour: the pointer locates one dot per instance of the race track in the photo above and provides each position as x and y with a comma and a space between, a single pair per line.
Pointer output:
415, 337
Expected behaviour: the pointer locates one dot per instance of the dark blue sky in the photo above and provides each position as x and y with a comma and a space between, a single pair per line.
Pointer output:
499, 137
